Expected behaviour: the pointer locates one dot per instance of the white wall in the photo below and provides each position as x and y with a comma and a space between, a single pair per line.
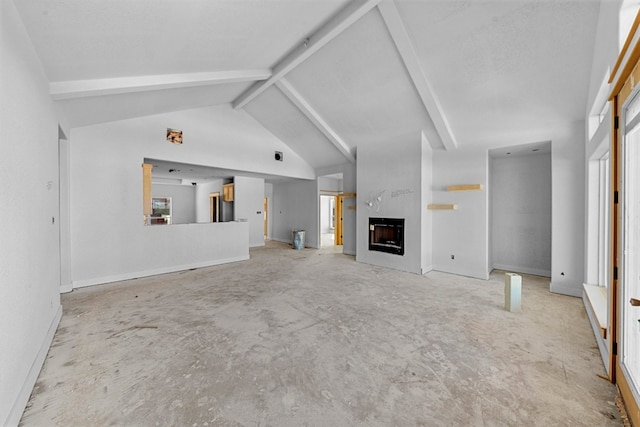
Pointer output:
605, 50
464, 232
427, 215
111, 242
248, 206
604, 57
183, 201
521, 214
393, 172
329, 184
295, 207
29, 253
568, 202
349, 222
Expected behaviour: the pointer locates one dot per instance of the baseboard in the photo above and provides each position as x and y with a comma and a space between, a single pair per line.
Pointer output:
523, 270
256, 245
30, 381
572, 291
473, 275
282, 240
154, 272
66, 288
427, 269
347, 252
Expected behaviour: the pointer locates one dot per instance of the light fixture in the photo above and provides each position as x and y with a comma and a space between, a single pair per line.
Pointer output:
174, 136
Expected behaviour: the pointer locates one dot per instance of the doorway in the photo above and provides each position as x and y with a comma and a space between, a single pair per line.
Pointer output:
214, 207
327, 220
265, 211
520, 209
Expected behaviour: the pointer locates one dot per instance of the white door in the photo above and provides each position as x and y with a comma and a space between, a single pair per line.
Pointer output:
630, 274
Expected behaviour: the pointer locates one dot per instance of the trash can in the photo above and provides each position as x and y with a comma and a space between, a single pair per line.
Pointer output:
298, 239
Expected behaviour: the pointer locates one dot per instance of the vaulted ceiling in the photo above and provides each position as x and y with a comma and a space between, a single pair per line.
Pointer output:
326, 76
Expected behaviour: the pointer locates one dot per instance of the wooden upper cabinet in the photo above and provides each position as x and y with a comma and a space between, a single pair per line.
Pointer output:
227, 192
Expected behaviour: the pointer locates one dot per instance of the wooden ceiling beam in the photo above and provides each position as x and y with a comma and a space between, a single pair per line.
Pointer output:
97, 87
296, 98
401, 39
343, 20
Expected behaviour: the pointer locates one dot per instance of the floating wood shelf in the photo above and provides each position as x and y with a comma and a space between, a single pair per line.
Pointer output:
465, 187
442, 207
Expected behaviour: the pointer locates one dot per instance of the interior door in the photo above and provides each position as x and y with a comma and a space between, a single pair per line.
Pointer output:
630, 271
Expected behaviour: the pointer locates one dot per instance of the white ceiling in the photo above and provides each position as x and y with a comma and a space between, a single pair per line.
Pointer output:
336, 74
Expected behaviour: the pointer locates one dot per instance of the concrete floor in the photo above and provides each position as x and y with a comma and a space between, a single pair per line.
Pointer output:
312, 338
327, 240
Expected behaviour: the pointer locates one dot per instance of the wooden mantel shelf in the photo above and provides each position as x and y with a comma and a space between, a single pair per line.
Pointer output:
442, 207
465, 187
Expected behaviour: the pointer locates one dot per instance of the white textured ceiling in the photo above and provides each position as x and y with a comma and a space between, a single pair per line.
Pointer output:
360, 85
286, 122
468, 74
504, 67
88, 39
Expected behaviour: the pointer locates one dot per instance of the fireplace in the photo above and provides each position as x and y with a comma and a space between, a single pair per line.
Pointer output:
386, 235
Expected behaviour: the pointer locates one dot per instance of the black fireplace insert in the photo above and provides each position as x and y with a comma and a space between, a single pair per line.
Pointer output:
386, 235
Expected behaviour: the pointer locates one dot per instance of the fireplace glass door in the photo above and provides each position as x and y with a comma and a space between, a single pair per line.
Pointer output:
386, 235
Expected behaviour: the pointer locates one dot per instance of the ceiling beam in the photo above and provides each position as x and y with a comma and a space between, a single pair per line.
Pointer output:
96, 87
398, 32
345, 18
315, 118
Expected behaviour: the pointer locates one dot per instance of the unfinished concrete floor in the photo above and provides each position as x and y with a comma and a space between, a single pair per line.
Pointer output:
312, 338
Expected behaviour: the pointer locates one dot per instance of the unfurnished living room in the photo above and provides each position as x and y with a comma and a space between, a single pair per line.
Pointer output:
320, 212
